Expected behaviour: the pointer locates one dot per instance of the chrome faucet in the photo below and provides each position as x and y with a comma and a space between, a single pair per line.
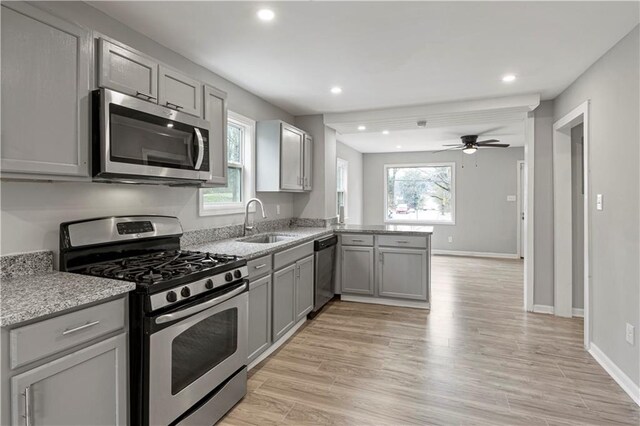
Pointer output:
246, 215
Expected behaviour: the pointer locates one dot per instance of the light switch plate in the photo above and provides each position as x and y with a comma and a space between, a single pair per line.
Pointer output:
630, 333
599, 202
277, 209
511, 198
450, 239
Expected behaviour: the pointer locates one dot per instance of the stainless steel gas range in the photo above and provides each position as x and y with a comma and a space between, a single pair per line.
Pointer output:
188, 315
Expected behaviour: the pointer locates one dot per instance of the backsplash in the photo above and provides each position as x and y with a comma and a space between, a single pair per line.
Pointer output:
15, 265
201, 236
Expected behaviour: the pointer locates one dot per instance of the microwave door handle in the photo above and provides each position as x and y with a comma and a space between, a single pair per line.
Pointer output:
201, 307
200, 149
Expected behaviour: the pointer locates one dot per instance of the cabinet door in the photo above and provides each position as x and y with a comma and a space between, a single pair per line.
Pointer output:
179, 92
259, 317
308, 163
88, 387
402, 273
304, 287
215, 112
357, 270
127, 72
291, 147
45, 93
284, 283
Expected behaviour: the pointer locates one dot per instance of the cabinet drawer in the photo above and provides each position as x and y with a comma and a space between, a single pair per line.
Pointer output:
38, 340
402, 241
260, 266
357, 240
291, 255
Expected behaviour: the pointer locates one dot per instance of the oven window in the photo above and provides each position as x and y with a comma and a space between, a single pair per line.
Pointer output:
141, 138
203, 346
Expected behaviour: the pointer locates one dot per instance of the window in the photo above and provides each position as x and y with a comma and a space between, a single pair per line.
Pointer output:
342, 169
420, 193
230, 199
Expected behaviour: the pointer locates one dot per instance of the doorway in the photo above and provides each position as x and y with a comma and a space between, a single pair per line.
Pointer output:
571, 216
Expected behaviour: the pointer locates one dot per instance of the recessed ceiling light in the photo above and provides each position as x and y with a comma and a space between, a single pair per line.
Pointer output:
336, 90
385, 132
509, 78
169, 125
361, 127
266, 15
398, 146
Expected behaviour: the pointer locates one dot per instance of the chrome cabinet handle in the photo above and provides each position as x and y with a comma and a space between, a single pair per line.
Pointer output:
27, 406
146, 95
201, 307
200, 149
402, 242
260, 266
176, 106
82, 327
357, 240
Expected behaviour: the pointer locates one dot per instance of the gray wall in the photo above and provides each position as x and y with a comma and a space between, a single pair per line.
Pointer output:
543, 205
354, 183
611, 85
577, 217
485, 221
32, 211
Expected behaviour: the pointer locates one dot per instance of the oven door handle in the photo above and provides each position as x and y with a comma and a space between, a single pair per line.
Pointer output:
201, 307
200, 149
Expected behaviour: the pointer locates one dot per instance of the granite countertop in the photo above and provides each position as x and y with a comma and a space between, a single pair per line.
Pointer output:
384, 229
32, 296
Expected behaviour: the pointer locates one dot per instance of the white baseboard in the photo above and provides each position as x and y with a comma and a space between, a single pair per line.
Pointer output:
618, 375
388, 302
543, 309
577, 312
475, 254
277, 344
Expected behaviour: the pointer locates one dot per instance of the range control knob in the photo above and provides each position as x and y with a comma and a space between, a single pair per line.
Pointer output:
185, 292
228, 276
237, 273
209, 284
172, 296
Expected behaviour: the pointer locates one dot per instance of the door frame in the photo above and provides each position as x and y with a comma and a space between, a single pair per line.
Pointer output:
529, 167
520, 165
562, 216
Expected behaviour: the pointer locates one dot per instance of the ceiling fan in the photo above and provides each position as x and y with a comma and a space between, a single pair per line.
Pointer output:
470, 144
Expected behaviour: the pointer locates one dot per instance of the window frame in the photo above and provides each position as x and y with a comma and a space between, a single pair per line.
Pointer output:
247, 166
420, 222
345, 164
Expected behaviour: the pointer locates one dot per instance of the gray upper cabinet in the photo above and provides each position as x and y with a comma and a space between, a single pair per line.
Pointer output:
304, 287
357, 270
126, 71
259, 317
280, 155
46, 64
402, 273
284, 285
307, 163
87, 387
179, 92
215, 112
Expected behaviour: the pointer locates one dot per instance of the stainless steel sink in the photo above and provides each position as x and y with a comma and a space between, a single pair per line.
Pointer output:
265, 238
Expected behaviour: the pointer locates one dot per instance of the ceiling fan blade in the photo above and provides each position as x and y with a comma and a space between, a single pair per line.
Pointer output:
448, 149
487, 141
496, 145
452, 144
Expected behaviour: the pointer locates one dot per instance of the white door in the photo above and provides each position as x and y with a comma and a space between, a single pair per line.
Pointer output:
521, 209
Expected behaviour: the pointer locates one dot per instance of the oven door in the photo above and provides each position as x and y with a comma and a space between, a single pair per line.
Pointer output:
193, 355
140, 139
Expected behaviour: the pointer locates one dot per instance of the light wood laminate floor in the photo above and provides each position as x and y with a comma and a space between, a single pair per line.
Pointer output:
475, 358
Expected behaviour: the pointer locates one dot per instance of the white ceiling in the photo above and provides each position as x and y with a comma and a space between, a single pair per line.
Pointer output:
385, 54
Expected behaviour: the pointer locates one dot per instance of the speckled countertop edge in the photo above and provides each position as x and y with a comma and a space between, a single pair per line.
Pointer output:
29, 297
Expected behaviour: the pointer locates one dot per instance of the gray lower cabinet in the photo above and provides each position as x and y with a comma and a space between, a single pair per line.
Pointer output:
284, 286
180, 92
357, 270
304, 287
259, 317
46, 65
87, 387
402, 273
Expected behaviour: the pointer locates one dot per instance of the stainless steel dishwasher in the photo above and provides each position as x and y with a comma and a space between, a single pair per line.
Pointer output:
325, 264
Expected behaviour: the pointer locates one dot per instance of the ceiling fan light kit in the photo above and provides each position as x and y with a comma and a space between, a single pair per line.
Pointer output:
469, 149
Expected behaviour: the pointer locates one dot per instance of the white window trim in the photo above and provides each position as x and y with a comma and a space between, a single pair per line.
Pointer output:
248, 172
345, 165
421, 222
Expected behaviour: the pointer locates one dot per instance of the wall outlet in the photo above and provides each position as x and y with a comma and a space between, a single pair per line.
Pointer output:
599, 202
630, 333
511, 198
450, 239
278, 209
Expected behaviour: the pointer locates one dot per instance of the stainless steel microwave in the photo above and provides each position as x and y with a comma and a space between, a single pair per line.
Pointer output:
140, 142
